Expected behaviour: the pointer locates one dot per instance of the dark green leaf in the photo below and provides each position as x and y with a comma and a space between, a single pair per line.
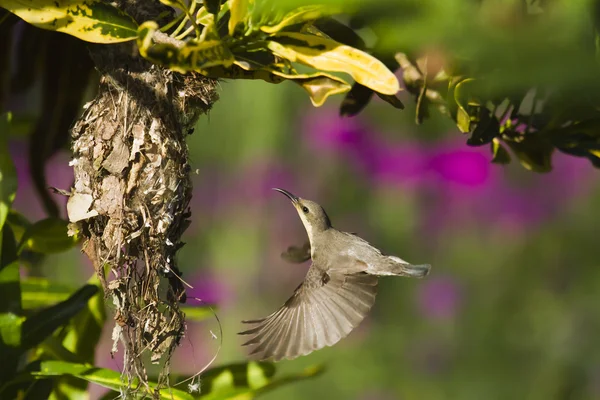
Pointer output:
29, 57
66, 70
7, 21
8, 175
10, 290
391, 99
356, 100
340, 32
213, 6
10, 305
41, 325
18, 223
486, 130
254, 59
534, 153
48, 236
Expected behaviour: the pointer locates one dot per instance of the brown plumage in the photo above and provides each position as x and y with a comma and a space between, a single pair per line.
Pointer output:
337, 293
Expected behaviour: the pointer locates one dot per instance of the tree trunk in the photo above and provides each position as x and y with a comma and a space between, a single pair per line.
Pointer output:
132, 189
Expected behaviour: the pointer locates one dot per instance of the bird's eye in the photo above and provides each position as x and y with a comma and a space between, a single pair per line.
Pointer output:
305, 210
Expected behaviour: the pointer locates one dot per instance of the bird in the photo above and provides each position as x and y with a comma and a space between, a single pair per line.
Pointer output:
337, 293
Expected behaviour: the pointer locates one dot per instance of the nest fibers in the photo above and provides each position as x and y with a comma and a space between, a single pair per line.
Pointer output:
131, 194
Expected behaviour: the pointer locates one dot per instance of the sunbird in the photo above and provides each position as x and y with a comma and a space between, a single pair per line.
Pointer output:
337, 293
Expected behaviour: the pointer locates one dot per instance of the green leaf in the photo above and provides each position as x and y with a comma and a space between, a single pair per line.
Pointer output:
301, 15
463, 99
328, 55
500, 154
103, 377
246, 380
40, 292
10, 342
48, 236
84, 330
18, 223
195, 313
79, 341
42, 324
8, 175
308, 373
232, 380
10, 329
89, 20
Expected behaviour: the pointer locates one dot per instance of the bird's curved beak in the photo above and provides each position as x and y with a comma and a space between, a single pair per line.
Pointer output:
290, 196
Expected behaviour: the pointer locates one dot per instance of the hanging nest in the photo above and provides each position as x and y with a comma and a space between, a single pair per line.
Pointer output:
131, 194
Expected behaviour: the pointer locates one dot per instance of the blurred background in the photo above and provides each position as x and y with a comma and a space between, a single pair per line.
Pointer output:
508, 311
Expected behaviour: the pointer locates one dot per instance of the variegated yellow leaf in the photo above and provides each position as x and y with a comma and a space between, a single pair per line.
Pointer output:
196, 56
203, 17
238, 12
319, 85
175, 4
191, 56
301, 14
90, 20
144, 39
329, 55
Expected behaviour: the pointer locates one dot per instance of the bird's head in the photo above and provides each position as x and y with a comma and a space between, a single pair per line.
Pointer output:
313, 216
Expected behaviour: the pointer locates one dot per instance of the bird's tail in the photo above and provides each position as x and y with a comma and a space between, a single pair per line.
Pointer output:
399, 267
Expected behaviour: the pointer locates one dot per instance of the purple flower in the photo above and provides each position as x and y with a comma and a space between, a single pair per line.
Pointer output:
209, 288
400, 165
439, 298
463, 167
326, 131
330, 134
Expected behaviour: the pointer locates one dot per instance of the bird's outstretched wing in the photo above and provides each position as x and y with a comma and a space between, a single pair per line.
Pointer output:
297, 254
323, 309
